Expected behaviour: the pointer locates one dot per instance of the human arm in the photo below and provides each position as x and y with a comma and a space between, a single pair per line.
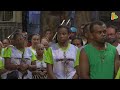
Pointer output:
117, 63
2, 71
49, 62
75, 76
33, 66
7, 58
9, 65
76, 65
50, 72
83, 65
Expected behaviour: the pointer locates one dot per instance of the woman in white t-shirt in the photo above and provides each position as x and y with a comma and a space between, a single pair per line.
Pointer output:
35, 40
62, 56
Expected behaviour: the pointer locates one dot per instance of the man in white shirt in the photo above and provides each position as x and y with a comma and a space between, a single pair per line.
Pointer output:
112, 37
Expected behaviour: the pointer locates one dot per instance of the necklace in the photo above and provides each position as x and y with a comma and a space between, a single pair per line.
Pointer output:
42, 64
66, 71
102, 56
64, 48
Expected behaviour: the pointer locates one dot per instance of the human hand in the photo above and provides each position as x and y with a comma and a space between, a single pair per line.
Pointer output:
23, 67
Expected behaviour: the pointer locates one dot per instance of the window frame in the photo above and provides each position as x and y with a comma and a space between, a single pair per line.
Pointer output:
13, 20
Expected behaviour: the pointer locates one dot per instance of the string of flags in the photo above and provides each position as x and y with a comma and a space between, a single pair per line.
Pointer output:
114, 16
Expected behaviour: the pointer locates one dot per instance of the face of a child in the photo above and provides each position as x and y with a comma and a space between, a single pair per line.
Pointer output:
45, 43
6, 43
77, 43
40, 49
63, 35
49, 34
35, 39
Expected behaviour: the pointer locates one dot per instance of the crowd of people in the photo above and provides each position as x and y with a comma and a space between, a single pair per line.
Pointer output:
68, 57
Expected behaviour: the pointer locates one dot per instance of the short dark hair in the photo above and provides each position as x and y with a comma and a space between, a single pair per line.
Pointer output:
86, 28
63, 26
78, 39
95, 23
114, 27
17, 34
35, 35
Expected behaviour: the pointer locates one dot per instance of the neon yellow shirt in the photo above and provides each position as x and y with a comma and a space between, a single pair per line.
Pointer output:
118, 74
49, 57
77, 58
63, 60
8, 53
1, 65
1, 59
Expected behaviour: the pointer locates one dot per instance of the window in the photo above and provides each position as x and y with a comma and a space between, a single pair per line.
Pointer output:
7, 16
33, 22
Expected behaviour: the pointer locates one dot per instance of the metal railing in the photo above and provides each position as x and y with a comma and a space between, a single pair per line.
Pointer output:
7, 28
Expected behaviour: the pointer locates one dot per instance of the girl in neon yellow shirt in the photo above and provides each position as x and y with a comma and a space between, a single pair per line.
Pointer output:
2, 69
41, 72
35, 40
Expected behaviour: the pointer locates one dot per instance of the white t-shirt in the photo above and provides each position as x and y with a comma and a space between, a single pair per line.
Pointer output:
118, 49
16, 59
41, 64
33, 50
61, 69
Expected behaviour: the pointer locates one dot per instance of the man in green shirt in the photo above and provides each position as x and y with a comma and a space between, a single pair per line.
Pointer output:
98, 60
